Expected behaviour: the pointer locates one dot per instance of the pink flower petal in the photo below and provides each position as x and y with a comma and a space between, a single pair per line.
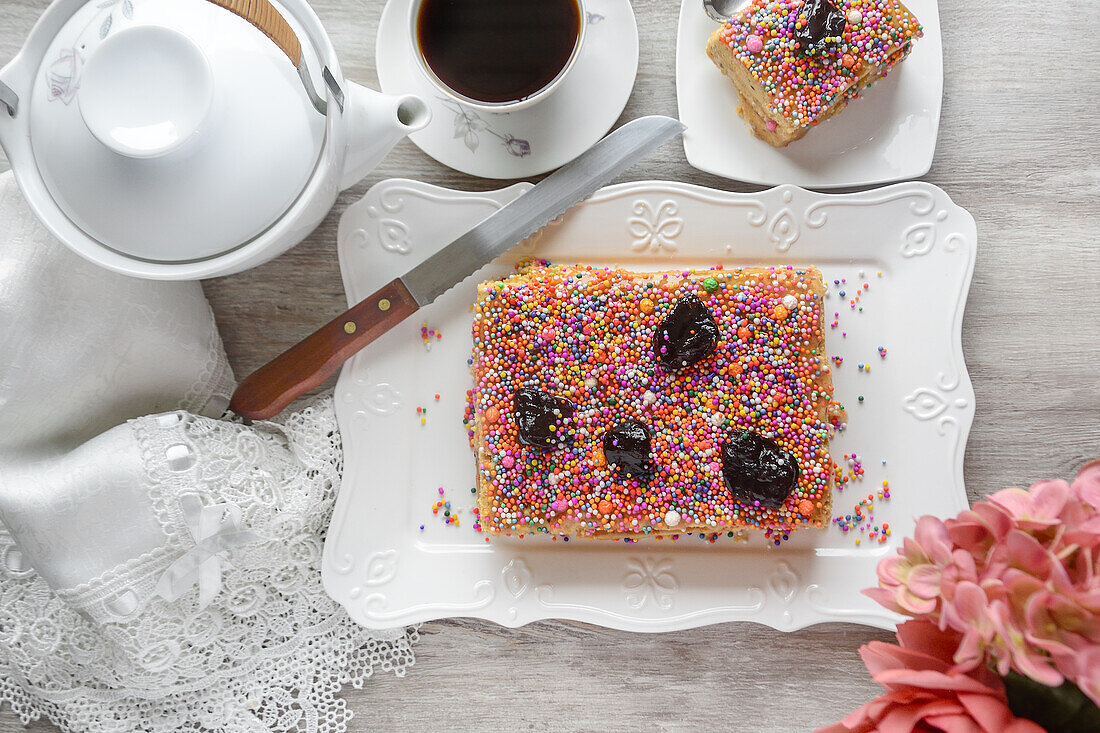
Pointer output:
923, 636
1036, 666
958, 723
1056, 649
1071, 617
890, 569
1015, 502
964, 561
1089, 677
969, 653
879, 657
1025, 552
1087, 483
990, 712
864, 714
931, 534
970, 603
911, 552
912, 604
883, 597
924, 581
929, 680
1087, 533
905, 719
994, 517
882, 704
970, 536
1020, 587
1048, 498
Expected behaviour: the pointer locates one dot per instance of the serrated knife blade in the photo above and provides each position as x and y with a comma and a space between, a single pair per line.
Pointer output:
549, 199
312, 360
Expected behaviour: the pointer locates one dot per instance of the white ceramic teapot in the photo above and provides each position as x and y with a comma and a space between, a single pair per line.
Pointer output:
183, 139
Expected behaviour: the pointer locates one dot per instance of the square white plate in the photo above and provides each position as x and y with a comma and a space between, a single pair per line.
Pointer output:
888, 134
916, 413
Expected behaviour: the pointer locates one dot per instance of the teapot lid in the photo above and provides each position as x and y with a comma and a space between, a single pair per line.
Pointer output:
173, 130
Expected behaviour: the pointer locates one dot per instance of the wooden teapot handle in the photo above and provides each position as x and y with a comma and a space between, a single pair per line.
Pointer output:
264, 16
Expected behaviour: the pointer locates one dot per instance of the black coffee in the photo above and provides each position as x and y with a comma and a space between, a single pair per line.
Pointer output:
497, 50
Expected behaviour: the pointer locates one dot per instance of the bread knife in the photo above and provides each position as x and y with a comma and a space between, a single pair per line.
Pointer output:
313, 359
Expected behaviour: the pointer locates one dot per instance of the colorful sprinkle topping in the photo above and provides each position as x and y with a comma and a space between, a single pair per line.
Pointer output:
766, 374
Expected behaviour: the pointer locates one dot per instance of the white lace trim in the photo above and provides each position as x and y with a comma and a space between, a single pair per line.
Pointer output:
270, 653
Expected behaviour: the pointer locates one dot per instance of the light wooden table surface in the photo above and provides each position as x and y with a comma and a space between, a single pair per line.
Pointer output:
1018, 147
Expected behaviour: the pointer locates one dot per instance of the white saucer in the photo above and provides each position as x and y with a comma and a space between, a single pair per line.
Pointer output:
888, 134
529, 141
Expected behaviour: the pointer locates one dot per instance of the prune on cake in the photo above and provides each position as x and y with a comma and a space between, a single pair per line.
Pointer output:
543, 420
823, 20
687, 334
626, 447
756, 469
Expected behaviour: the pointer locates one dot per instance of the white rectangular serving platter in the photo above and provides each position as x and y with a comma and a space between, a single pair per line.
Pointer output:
888, 134
917, 409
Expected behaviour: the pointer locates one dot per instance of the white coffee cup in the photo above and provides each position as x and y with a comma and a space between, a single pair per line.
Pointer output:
509, 106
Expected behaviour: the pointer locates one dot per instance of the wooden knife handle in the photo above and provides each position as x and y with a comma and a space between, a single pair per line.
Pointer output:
312, 360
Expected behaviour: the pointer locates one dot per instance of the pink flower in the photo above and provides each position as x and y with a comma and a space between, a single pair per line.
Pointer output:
976, 530
924, 691
972, 616
913, 582
1036, 508
1017, 577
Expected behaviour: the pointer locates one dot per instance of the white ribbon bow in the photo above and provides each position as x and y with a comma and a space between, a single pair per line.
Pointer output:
215, 529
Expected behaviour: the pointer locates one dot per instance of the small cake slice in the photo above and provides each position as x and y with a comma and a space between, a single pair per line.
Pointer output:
796, 63
616, 404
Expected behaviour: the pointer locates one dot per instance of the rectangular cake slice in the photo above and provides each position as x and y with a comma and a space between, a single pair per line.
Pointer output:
797, 63
616, 404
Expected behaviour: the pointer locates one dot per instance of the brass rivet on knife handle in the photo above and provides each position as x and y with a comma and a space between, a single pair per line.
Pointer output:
267, 19
314, 359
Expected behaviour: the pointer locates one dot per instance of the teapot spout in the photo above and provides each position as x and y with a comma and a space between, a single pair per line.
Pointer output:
377, 122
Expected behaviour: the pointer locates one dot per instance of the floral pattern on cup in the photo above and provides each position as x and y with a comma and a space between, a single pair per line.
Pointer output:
469, 124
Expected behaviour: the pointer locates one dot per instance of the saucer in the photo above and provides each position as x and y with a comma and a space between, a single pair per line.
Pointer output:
530, 141
888, 134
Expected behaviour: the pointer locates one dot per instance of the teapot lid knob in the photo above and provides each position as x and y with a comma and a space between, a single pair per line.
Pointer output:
145, 91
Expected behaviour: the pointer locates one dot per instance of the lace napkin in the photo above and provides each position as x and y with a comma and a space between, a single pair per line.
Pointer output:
160, 574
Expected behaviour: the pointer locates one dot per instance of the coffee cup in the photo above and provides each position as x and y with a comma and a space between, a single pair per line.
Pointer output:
496, 55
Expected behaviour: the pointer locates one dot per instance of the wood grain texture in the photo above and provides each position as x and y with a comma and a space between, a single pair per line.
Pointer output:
1018, 147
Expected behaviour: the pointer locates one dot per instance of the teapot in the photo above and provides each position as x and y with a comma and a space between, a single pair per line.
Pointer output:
185, 139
